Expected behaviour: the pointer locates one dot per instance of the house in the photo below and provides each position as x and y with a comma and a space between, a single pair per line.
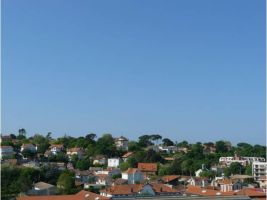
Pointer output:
227, 185
196, 181
114, 162
183, 149
84, 176
28, 147
103, 179
133, 190
7, 152
259, 169
169, 149
58, 165
262, 180
110, 171
242, 160
70, 166
170, 179
121, 143
82, 195
133, 176
153, 147
100, 160
95, 169
148, 168
127, 155
75, 151
42, 188
56, 148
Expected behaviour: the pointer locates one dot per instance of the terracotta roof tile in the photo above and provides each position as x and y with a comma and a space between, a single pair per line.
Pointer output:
169, 178
147, 167
82, 195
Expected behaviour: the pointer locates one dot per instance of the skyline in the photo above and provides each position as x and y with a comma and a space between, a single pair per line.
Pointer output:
187, 70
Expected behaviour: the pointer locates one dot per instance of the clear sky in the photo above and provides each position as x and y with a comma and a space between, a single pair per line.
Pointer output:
185, 69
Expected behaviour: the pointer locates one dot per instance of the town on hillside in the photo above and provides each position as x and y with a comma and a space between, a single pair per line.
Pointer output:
107, 167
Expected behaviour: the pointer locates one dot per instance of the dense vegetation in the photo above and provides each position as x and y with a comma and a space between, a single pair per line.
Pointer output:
17, 179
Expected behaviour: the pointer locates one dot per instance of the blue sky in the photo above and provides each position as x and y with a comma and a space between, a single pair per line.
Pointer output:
186, 69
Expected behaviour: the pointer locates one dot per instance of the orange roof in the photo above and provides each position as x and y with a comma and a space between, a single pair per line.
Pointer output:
169, 178
250, 192
131, 170
206, 192
82, 195
128, 154
148, 167
225, 181
136, 188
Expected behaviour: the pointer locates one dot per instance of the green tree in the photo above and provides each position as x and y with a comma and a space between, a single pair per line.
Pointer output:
105, 146
248, 170
124, 166
83, 164
144, 141
207, 174
65, 183
221, 147
167, 142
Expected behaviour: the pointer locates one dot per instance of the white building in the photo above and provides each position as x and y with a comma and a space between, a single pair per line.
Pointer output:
121, 143
56, 148
242, 160
113, 162
259, 169
169, 149
75, 151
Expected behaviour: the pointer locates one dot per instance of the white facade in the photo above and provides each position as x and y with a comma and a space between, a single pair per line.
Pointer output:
122, 143
242, 160
259, 169
55, 149
113, 162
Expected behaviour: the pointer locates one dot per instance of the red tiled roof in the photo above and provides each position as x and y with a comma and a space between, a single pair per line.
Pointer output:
131, 170
250, 192
169, 178
135, 188
147, 167
82, 195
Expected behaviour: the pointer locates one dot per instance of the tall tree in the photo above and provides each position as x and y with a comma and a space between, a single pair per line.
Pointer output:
167, 142
65, 183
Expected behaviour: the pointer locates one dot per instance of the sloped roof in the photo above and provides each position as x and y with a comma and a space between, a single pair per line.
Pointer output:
169, 178
136, 188
82, 195
43, 185
128, 154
